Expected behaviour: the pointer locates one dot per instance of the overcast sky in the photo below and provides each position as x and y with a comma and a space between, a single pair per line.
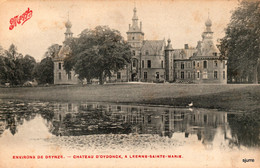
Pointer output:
182, 21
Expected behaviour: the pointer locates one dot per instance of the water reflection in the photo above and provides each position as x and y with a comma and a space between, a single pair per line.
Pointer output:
68, 119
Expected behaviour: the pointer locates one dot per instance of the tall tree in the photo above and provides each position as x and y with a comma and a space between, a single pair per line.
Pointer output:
96, 53
12, 52
241, 43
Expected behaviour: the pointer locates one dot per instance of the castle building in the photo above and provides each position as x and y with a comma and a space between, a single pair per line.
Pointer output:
60, 75
156, 61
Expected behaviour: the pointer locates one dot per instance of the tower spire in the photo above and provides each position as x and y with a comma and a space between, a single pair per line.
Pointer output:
68, 32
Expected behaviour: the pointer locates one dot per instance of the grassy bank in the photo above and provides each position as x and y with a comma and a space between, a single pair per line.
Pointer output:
227, 97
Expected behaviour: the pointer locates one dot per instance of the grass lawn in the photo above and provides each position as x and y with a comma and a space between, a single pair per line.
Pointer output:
226, 97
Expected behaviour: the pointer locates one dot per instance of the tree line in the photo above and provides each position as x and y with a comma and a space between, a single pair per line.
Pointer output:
16, 69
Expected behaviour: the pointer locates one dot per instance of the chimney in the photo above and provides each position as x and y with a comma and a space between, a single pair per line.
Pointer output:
186, 46
141, 26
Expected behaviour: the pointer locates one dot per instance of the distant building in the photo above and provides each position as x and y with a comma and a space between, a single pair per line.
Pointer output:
156, 61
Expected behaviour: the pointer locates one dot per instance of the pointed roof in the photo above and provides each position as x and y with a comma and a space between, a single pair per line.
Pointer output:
153, 47
134, 28
206, 47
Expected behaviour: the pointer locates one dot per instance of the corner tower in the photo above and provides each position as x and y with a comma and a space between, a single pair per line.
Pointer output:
169, 62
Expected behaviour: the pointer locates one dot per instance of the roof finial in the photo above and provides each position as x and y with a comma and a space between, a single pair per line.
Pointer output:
68, 15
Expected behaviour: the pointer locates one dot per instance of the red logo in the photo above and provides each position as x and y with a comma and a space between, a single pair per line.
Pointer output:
20, 19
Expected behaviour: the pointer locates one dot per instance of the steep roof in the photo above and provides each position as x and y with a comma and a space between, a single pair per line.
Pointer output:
153, 47
180, 54
64, 51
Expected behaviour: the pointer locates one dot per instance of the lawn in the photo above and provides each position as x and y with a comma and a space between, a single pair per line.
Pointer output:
235, 97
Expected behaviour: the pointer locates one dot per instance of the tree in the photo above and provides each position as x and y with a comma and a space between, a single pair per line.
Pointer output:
28, 63
97, 53
43, 71
52, 51
241, 43
12, 52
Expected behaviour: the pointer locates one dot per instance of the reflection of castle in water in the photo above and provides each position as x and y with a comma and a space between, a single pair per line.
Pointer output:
67, 119
84, 119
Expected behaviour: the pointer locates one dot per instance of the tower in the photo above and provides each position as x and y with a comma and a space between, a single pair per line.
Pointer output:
169, 61
135, 38
68, 33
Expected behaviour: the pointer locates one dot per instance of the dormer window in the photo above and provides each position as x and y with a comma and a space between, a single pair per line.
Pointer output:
146, 52
215, 54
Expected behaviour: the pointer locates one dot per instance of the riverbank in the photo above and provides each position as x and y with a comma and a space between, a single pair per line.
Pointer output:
235, 97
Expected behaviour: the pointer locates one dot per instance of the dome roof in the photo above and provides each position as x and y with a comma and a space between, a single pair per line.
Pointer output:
68, 24
208, 22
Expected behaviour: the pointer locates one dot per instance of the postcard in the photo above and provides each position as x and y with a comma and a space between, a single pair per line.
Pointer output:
134, 83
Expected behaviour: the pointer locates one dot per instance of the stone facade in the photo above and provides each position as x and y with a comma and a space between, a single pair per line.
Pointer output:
156, 61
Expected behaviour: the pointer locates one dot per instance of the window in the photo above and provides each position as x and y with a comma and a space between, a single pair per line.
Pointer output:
198, 75
142, 63
205, 75
59, 65
69, 76
205, 64
149, 64
182, 75
216, 63
133, 38
189, 65
134, 63
182, 65
162, 64
224, 64
215, 54
193, 64
188, 75
146, 52
145, 75
59, 75
198, 64
215, 74
224, 75
118, 75
157, 75
133, 52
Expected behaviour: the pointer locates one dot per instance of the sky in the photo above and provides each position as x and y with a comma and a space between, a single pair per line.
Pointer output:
183, 21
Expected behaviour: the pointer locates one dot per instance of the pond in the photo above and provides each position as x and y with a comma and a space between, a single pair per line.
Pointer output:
76, 130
